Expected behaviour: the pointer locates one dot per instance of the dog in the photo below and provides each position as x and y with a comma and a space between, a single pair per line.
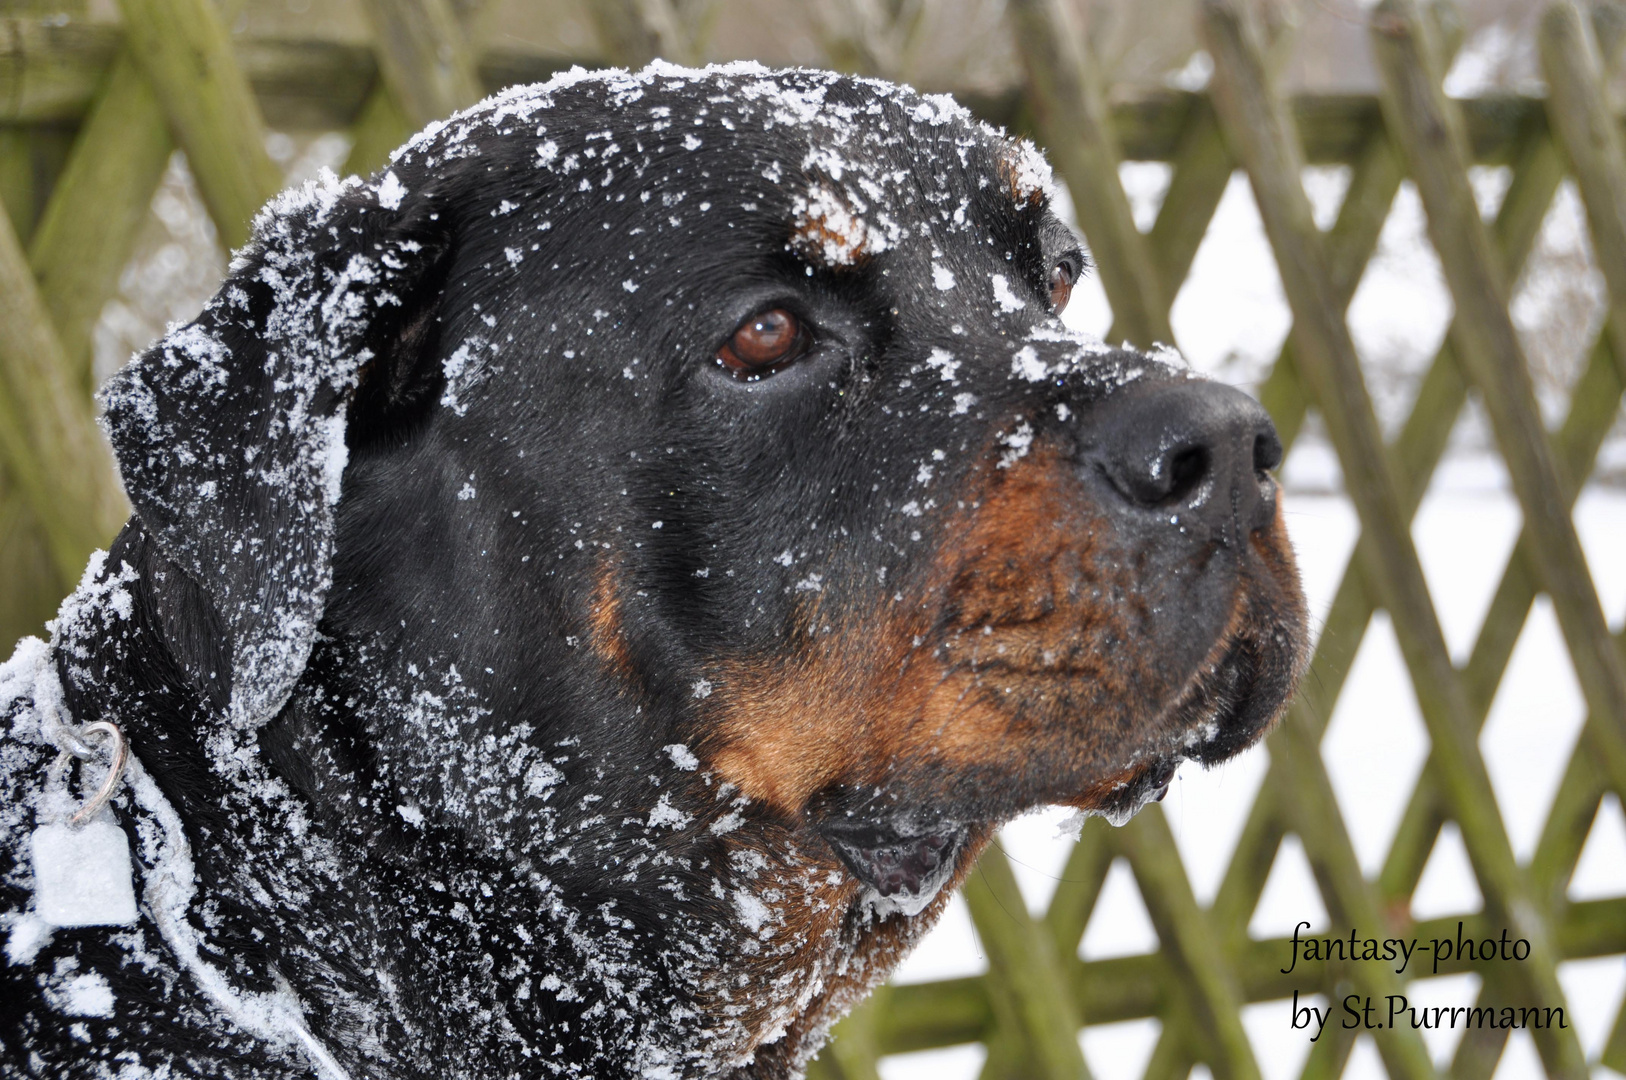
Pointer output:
594, 588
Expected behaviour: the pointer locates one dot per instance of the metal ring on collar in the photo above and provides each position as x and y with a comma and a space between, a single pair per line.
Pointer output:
75, 740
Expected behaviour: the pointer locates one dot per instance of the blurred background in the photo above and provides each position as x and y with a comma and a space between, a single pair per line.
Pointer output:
137, 136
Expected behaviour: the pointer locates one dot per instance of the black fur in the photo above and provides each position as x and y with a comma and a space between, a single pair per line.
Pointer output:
446, 751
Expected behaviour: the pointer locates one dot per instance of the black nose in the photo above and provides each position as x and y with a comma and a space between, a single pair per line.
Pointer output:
1189, 446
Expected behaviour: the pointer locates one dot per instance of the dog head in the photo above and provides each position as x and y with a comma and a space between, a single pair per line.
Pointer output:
688, 472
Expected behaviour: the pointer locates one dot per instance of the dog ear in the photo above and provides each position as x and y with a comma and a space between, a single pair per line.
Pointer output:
230, 432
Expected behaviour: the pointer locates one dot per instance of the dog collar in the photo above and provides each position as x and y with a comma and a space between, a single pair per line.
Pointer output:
81, 860
29, 680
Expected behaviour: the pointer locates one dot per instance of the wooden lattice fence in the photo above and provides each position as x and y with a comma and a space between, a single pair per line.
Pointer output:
90, 116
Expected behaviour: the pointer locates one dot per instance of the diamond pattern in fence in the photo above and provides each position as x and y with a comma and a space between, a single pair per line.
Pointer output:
89, 122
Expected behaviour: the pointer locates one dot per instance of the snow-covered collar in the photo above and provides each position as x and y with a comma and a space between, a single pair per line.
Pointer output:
32, 698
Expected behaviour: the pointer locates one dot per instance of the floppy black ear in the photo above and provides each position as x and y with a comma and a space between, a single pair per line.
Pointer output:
230, 431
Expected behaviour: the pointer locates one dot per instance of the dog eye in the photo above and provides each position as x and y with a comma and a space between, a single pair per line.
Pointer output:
764, 343
1062, 278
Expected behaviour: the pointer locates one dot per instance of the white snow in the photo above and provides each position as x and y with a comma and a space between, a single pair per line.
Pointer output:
1017, 443
682, 756
832, 230
541, 777
1032, 172
665, 815
82, 995
753, 913
1025, 364
942, 361
391, 191
1007, 300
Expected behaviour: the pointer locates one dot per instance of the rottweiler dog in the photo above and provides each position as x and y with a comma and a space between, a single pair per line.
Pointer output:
595, 587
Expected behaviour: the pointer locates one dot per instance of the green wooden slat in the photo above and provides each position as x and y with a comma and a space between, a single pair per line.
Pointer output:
1592, 411
49, 70
18, 182
1262, 134
1330, 1053
1201, 169
427, 71
1172, 1057
921, 1016
381, 127
1480, 1050
1345, 892
103, 197
634, 32
1579, 110
1569, 822
1614, 1051
51, 449
1202, 970
1075, 124
1077, 892
1374, 179
185, 52
1250, 865
423, 57
1030, 1000
1430, 131
33, 584
852, 1053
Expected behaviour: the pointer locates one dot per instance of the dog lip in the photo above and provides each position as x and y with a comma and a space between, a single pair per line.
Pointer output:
1149, 785
901, 870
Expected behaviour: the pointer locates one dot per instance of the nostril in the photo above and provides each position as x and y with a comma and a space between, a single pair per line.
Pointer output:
1187, 468
1161, 477
1188, 445
1267, 451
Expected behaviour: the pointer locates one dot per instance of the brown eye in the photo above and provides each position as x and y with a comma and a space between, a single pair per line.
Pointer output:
764, 342
1061, 286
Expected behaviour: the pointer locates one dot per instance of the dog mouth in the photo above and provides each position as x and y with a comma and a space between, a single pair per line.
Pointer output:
1127, 798
1227, 706
905, 858
902, 867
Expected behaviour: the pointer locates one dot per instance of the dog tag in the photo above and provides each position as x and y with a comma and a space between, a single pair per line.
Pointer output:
82, 876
